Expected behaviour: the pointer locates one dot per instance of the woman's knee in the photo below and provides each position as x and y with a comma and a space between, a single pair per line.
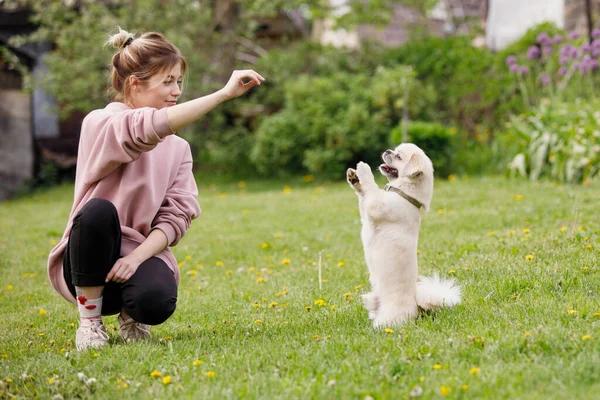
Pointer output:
153, 306
98, 211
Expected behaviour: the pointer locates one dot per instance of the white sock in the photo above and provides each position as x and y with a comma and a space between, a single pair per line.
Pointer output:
89, 308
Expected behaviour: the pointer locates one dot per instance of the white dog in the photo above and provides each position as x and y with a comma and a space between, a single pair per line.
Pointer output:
390, 231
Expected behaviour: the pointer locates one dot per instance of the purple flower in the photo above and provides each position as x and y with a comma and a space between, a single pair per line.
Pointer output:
514, 68
562, 71
510, 60
566, 50
583, 68
563, 60
533, 52
524, 70
593, 64
596, 33
595, 52
546, 50
595, 43
586, 48
557, 39
573, 35
544, 78
544, 39
574, 52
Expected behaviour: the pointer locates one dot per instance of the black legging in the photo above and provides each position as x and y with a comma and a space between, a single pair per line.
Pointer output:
149, 296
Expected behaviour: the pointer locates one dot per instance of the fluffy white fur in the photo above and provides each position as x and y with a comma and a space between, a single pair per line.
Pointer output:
390, 233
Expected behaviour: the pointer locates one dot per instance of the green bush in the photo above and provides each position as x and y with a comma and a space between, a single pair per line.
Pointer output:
434, 139
559, 141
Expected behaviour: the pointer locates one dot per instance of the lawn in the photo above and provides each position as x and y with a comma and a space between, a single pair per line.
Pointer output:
254, 321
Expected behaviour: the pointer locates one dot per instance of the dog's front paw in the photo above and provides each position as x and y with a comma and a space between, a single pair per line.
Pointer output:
365, 175
353, 180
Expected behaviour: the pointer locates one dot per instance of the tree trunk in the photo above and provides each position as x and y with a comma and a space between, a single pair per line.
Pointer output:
588, 14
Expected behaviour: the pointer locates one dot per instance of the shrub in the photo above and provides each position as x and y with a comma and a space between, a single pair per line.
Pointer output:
436, 141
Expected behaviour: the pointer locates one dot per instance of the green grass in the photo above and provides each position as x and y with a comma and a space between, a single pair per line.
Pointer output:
514, 324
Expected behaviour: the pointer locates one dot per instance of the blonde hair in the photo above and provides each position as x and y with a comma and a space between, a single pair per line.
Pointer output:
143, 57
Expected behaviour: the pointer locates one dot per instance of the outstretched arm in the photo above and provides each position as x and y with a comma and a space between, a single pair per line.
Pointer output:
184, 114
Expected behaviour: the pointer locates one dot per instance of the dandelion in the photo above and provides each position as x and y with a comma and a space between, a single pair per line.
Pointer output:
180, 264
347, 294
581, 228
166, 380
437, 366
198, 266
452, 272
441, 211
241, 184
188, 257
444, 390
585, 239
332, 307
8, 380
258, 321
229, 272
265, 245
474, 371
465, 387
219, 263
211, 374
286, 261
526, 334
197, 363
320, 303
5, 356
491, 234
452, 177
529, 257
388, 330
51, 380
260, 280
341, 263
563, 228
287, 190
526, 231
251, 269
357, 287
586, 337
597, 314
510, 233
9, 287
308, 308
571, 312
192, 272
256, 304
245, 211
273, 304
42, 311
308, 178
588, 246
155, 374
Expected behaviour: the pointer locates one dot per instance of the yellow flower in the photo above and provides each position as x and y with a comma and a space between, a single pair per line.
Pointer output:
198, 266
273, 304
51, 380
451, 178
510, 233
581, 228
8, 380
286, 261
278, 235
332, 307
192, 272
452, 272
211, 374
474, 371
219, 263
597, 314
241, 184
586, 337
229, 272
437, 366
180, 264
256, 304
571, 312
422, 378
465, 387
341, 263
42, 311
588, 246
347, 294
526, 230
155, 374
320, 302
251, 269
519, 197
265, 245
529, 257
357, 287
441, 211
388, 330
260, 280
308, 308
258, 321
166, 380
4, 356
491, 234
444, 390
9, 287
308, 178
527, 334
287, 189
188, 257
563, 228
197, 363
245, 211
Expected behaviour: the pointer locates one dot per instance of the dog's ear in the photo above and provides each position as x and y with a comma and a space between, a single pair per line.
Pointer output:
414, 167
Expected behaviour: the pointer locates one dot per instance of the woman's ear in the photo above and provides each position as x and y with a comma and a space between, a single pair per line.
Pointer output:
134, 83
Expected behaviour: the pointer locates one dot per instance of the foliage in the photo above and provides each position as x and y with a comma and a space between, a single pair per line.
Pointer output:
558, 140
330, 123
435, 139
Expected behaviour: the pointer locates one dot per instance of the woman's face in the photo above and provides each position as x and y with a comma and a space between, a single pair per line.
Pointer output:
162, 90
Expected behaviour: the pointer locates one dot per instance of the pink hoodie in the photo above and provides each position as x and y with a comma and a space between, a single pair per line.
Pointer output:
150, 189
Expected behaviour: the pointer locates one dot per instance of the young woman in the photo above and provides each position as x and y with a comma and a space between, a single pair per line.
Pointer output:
135, 193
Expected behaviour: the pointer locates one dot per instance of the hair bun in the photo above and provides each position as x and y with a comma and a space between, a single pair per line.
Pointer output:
120, 39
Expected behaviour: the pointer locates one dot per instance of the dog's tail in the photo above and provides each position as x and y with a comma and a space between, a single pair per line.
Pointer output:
437, 292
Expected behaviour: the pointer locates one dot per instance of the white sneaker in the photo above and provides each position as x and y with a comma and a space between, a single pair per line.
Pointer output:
131, 330
90, 335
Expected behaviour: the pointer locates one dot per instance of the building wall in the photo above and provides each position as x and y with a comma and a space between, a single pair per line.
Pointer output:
16, 141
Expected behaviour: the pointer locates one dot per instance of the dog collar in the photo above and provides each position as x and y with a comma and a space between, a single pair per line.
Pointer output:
411, 200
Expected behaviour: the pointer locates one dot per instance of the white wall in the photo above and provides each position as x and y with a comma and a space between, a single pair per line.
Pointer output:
508, 20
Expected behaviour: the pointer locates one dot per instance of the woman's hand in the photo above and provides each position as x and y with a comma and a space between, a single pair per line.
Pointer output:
123, 269
240, 82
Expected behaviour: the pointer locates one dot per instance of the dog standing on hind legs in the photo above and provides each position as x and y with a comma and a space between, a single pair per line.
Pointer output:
390, 220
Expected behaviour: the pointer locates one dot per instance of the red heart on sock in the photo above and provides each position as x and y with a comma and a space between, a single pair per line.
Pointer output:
82, 300
91, 306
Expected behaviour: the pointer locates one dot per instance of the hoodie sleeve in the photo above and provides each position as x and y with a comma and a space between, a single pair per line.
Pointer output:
179, 207
109, 139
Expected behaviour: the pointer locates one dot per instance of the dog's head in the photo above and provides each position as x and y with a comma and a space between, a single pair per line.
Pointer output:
408, 167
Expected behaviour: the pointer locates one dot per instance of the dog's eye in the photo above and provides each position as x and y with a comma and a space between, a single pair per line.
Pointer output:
398, 157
